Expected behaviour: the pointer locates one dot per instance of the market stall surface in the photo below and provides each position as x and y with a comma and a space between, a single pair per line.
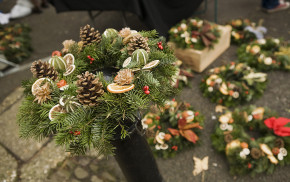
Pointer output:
43, 161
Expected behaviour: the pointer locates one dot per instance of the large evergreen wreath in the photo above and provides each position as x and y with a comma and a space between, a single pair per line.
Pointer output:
233, 84
253, 140
265, 54
173, 129
75, 99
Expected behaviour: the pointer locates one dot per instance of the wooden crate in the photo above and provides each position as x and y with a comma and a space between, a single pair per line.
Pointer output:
198, 60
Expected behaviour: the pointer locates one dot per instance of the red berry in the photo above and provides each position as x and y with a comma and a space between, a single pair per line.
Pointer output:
77, 133
146, 88
89, 57
71, 132
249, 165
56, 53
196, 113
157, 117
159, 127
147, 92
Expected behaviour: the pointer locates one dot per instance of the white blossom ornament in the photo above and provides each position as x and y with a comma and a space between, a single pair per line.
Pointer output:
283, 151
268, 61
210, 89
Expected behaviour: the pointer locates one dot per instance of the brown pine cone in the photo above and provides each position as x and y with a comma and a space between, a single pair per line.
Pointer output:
42, 69
89, 89
124, 77
89, 35
138, 42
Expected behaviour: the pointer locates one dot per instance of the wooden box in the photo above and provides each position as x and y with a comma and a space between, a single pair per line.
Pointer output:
198, 60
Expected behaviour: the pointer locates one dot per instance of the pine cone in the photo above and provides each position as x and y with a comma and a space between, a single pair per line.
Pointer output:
138, 42
43, 93
89, 35
279, 143
42, 69
89, 89
124, 77
228, 138
256, 153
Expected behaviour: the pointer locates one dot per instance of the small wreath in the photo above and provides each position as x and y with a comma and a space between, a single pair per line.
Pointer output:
194, 33
92, 94
239, 35
245, 151
15, 42
173, 129
265, 54
233, 84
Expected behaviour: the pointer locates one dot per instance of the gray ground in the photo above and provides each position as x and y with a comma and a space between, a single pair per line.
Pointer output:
31, 161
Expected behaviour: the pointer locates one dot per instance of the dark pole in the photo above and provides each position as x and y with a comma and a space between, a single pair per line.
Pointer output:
135, 158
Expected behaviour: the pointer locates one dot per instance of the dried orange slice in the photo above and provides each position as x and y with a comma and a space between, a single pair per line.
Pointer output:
115, 88
69, 70
152, 64
69, 59
54, 111
37, 84
127, 62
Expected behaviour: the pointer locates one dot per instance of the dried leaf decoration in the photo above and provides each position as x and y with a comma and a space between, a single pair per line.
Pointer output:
185, 130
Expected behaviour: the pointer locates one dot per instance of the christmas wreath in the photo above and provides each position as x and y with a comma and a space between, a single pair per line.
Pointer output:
265, 54
233, 84
253, 140
194, 33
239, 34
91, 93
15, 42
172, 129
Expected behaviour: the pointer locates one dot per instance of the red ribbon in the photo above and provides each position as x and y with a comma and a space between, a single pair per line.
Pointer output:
278, 125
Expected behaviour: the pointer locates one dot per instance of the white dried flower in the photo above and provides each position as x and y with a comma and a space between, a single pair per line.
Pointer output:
268, 60
163, 146
236, 95
194, 40
224, 126
199, 24
157, 147
218, 80
261, 41
144, 125
175, 30
210, 89
183, 26
243, 155
161, 135
277, 41
283, 151
230, 127
246, 151
250, 118
280, 156
185, 34
213, 117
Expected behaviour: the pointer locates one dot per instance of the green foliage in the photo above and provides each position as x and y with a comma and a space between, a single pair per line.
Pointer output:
248, 127
15, 42
96, 127
233, 84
